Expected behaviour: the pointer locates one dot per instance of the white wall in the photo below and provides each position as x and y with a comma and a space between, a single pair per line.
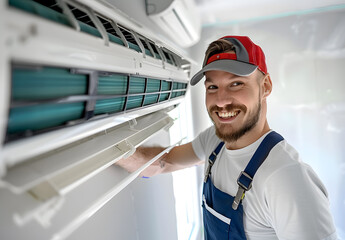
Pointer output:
306, 58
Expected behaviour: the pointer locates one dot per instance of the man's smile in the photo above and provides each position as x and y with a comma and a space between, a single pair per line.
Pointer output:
228, 115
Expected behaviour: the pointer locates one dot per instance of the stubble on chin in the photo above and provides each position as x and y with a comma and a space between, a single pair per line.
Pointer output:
228, 134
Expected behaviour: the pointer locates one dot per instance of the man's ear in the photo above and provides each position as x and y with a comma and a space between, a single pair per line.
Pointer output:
266, 86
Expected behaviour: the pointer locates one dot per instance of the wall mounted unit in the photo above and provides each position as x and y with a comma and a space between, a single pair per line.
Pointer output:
81, 87
178, 18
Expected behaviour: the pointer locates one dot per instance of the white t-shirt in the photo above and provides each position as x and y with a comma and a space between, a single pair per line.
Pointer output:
287, 199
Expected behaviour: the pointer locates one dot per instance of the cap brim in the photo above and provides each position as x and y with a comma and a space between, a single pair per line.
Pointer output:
231, 66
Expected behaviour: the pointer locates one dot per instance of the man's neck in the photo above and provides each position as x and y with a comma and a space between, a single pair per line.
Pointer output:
249, 138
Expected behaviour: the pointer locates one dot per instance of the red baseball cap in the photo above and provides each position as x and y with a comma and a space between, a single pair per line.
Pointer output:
247, 58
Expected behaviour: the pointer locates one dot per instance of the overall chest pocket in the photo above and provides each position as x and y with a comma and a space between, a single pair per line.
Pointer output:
217, 226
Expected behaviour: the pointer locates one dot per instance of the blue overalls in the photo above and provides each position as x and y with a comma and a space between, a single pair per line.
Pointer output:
222, 213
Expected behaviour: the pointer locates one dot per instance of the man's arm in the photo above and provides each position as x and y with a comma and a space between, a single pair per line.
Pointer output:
179, 157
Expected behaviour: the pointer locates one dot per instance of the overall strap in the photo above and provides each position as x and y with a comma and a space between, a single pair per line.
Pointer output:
245, 178
211, 159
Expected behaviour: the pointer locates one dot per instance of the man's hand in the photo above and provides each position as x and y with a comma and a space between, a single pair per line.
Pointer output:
178, 158
140, 157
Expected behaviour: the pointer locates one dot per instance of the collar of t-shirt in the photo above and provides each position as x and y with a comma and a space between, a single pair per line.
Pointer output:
248, 150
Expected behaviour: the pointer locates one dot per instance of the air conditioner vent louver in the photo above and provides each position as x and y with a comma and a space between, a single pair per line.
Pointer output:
154, 48
112, 34
85, 22
146, 46
46, 98
132, 43
52, 11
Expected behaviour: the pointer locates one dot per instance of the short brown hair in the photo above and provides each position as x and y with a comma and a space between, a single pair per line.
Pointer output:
218, 46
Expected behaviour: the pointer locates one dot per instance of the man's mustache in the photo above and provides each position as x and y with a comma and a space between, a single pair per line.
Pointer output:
228, 108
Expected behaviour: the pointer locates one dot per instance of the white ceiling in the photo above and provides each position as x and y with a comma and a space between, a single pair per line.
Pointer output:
222, 12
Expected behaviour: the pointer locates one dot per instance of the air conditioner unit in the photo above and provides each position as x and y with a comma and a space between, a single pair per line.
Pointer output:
178, 18
81, 86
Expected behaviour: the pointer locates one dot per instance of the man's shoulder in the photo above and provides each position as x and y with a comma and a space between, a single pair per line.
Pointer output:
281, 158
205, 142
284, 154
284, 164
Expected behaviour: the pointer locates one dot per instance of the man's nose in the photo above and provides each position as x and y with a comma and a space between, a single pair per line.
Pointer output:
223, 98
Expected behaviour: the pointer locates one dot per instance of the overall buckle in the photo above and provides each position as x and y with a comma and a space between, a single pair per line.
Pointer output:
238, 198
244, 182
210, 164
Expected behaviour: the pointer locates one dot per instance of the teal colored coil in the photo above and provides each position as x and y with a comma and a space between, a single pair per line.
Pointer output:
40, 10
153, 85
113, 105
148, 52
112, 85
134, 102
166, 86
150, 99
89, 29
115, 39
46, 83
164, 97
137, 85
38, 117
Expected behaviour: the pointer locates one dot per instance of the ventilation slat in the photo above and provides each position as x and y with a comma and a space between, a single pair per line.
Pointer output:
132, 43
85, 23
112, 34
167, 57
146, 47
153, 46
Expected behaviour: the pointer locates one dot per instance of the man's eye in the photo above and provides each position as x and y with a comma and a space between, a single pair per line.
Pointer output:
212, 87
235, 84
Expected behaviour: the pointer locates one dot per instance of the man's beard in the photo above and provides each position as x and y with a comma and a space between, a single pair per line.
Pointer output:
233, 135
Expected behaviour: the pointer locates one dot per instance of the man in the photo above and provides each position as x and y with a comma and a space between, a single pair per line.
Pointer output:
285, 199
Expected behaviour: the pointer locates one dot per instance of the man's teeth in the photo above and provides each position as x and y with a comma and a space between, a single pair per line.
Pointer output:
227, 114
